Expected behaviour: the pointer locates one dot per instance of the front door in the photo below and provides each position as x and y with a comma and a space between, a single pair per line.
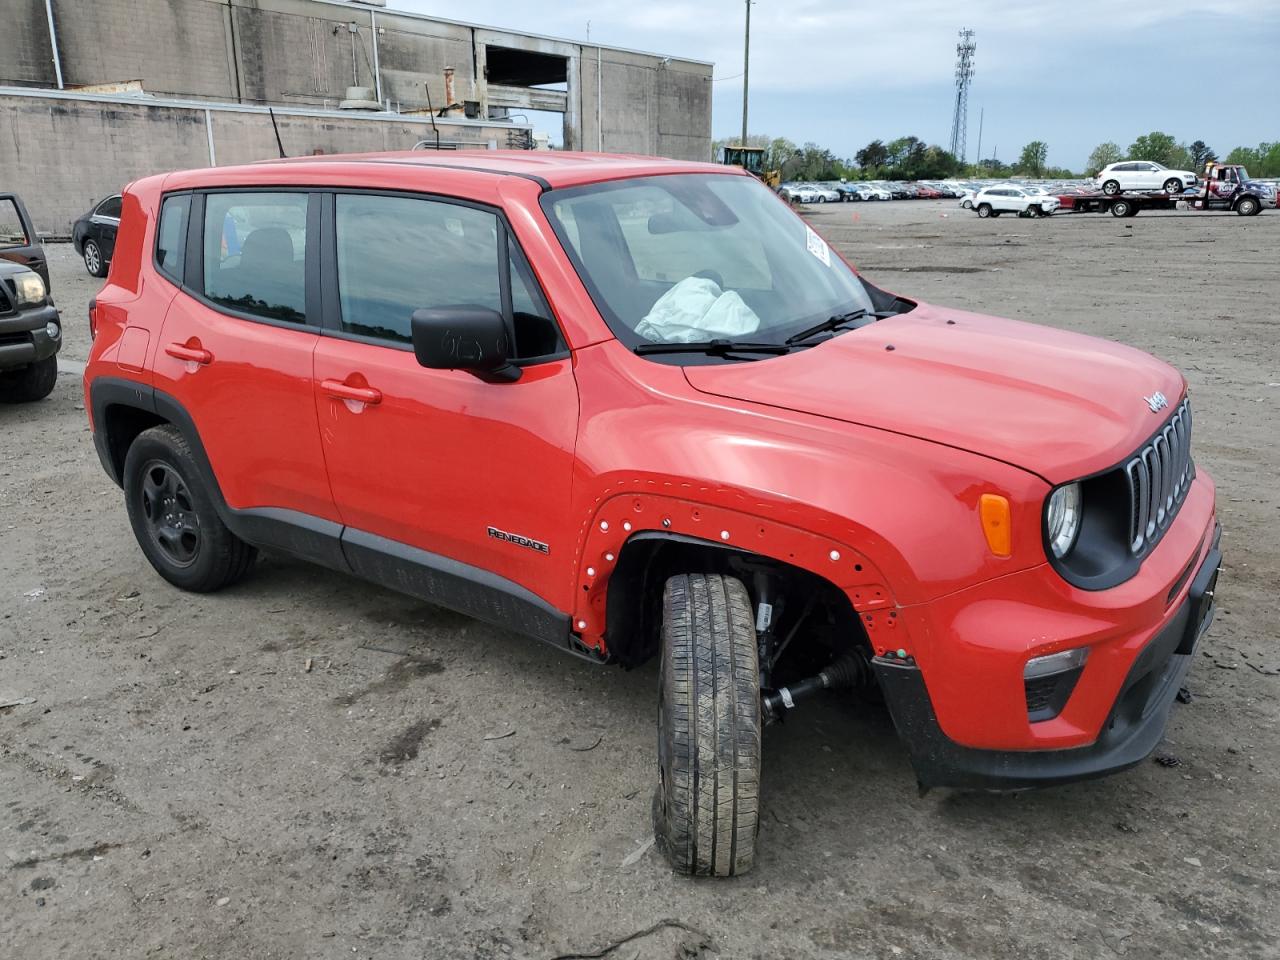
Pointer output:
18, 240
472, 476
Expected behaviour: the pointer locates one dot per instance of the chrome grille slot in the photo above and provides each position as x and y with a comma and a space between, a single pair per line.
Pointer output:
1159, 476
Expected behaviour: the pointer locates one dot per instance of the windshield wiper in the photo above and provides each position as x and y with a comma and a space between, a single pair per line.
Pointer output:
830, 324
715, 348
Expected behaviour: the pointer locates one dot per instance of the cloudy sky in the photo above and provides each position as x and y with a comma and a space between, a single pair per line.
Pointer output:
1073, 74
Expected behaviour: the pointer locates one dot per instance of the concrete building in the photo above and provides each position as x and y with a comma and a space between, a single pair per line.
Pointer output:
99, 93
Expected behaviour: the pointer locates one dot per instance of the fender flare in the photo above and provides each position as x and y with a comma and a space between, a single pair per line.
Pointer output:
303, 535
626, 519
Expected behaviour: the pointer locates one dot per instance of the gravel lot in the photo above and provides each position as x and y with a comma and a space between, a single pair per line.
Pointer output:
183, 787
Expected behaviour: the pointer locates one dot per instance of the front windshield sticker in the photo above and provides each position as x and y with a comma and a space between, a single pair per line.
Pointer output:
817, 246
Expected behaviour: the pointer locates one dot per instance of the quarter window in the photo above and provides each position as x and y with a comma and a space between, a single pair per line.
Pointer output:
397, 255
171, 241
109, 207
255, 253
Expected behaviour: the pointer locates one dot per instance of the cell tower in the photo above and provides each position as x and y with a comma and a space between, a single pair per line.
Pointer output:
964, 76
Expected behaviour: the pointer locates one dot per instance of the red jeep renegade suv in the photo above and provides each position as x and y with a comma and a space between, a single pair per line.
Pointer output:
638, 408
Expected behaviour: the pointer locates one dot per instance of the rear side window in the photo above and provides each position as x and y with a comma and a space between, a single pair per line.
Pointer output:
12, 232
171, 236
109, 207
255, 253
396, 255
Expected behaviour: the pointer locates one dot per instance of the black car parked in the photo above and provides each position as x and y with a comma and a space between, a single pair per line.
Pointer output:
94, 235
18, 240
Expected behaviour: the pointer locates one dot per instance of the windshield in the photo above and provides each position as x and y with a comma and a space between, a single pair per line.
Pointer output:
679, 259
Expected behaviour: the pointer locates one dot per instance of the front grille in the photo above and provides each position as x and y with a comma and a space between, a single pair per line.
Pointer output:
6, 304
1159, 476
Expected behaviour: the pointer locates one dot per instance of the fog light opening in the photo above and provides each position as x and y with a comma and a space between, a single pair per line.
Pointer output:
52, 330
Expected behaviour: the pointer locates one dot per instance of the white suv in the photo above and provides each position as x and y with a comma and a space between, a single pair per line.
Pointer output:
1143, 175
993, 201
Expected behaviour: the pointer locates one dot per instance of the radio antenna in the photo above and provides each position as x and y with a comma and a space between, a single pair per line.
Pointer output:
276, 128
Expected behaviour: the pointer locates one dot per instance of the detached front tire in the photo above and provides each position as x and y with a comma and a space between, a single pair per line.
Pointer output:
706, 806
174, 518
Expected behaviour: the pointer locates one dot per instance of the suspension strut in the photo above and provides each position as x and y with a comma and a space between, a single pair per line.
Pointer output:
850, 670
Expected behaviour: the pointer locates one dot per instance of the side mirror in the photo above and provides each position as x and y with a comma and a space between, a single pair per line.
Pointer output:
464, 338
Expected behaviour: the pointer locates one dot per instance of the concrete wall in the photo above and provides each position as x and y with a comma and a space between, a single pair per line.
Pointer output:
299, 52
26, 56
63, 152
645, 105
177, 47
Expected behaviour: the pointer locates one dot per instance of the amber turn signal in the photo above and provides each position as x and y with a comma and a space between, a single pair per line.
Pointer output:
996, 523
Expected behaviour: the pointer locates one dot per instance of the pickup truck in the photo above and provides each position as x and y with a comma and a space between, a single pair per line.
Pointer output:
30, 335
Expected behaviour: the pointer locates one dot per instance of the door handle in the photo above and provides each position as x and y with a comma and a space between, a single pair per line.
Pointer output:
190, 354
344, 391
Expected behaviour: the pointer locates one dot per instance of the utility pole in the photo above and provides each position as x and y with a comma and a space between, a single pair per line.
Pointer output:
982, 115
746, 72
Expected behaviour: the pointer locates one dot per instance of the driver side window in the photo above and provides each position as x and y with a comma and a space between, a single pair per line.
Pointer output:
400, 254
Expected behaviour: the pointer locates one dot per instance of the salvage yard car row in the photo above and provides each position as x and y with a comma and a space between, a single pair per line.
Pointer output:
851, 191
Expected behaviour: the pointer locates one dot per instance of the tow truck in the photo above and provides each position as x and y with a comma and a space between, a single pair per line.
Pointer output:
1225, 186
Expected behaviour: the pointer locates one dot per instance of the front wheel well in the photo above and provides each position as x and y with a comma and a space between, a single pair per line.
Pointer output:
634, 594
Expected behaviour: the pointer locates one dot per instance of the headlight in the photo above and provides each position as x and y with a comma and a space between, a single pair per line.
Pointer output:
29, 289
1062, 519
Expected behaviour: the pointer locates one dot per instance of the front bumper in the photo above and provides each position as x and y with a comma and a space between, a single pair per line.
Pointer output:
1132, 729
23, 339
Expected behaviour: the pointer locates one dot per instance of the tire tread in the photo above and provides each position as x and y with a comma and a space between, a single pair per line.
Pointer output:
706, 813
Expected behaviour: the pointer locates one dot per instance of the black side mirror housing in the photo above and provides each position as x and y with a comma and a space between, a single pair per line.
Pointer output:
464, 338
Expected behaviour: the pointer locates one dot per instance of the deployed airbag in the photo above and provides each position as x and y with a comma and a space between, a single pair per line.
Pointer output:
697, 309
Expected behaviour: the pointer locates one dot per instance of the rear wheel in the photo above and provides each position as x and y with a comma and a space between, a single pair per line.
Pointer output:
31, 383
1247, 207
706, 806
93, 260
1121, 208
1111, 188
173, 515
1173, 185
984, 210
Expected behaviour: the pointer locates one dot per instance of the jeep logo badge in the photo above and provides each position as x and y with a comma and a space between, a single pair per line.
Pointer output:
1157, 402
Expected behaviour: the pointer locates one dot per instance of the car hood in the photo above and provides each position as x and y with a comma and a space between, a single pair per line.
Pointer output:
1061, 405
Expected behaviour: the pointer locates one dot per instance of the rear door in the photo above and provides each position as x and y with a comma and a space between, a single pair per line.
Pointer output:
18, 240
1150, 176
235, 350
459, 470
104, 224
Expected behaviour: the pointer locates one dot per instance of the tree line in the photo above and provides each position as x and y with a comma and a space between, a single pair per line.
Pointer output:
910, 158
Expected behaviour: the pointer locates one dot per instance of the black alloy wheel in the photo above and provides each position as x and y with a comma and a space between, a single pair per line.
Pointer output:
168, 514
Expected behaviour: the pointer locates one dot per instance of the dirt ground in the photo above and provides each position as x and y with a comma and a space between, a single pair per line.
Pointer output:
183, 787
